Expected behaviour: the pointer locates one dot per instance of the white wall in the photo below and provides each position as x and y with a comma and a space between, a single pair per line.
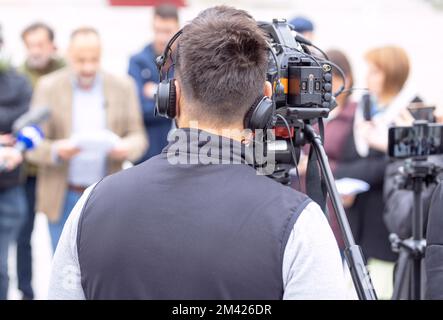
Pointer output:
351, 25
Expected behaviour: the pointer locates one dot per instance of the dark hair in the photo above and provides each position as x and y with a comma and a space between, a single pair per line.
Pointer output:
84, 30
340, 59
36, 26
222, 63
166, 11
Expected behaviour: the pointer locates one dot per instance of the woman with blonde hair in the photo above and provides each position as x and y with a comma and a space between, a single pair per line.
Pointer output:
388, 71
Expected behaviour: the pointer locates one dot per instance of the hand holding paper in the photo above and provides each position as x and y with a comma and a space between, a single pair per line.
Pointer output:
66, 149
97, 142
120, 152
351, 187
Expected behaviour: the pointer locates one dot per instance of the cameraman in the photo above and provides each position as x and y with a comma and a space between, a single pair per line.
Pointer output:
201, 231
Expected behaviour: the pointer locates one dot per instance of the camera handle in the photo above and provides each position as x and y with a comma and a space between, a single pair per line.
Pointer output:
353, 254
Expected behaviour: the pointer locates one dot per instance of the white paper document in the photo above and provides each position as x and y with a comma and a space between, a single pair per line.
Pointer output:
97, 142
349, 186
89, 166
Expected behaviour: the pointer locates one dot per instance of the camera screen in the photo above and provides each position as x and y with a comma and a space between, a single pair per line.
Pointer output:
416, 141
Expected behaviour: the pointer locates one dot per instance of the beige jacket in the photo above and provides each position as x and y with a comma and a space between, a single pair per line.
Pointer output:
123, 118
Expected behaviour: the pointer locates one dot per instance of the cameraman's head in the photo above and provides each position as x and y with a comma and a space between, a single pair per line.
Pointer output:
221, 69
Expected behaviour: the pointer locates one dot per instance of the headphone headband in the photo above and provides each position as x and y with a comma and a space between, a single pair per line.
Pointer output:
258, 117
161, 60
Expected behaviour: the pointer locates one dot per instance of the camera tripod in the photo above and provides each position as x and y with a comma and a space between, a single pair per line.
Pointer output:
409, 279
307, 135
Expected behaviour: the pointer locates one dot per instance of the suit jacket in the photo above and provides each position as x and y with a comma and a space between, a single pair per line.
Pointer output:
123, 117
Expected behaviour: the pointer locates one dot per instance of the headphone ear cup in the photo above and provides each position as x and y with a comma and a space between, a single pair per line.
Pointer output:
165, 99
172, 99
260, 114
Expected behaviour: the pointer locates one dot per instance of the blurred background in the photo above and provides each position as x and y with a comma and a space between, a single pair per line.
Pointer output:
353, 26
350, 25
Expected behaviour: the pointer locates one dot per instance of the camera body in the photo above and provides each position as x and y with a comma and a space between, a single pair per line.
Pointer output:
302, 93
302, 83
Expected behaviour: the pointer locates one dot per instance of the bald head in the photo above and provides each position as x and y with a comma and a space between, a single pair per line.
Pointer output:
84, 55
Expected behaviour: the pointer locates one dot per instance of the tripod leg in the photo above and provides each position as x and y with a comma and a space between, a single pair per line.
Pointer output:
402, 276
354, 257
417, 234
423, 279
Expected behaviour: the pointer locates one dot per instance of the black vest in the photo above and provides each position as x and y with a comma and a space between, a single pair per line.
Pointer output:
186, 231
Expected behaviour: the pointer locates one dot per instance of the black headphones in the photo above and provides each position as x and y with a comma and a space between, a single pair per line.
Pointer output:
259, 116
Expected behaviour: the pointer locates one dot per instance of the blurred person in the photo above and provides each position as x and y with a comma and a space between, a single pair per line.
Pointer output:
434, 247
201, 231
41, 52
388, 70
15, 94
10, 158
95, 125
303, 26
143, 69
438, 113
339, 126
41, 59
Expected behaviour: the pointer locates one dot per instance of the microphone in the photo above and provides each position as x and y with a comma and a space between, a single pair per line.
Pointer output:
27, 139
160, 61
30, 118
367, 114
301, 39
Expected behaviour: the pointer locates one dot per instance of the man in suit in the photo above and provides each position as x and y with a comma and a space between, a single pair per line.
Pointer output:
95, 126
143, 69
41, 59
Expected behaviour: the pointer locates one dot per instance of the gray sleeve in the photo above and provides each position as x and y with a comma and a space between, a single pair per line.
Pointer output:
64, 282
312, 267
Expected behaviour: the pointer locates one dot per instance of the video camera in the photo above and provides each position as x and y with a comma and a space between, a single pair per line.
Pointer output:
302, 95
302, 82
414, 144
420, 140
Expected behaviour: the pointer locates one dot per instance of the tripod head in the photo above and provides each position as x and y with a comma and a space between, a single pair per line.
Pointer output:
415, 174
417, 171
